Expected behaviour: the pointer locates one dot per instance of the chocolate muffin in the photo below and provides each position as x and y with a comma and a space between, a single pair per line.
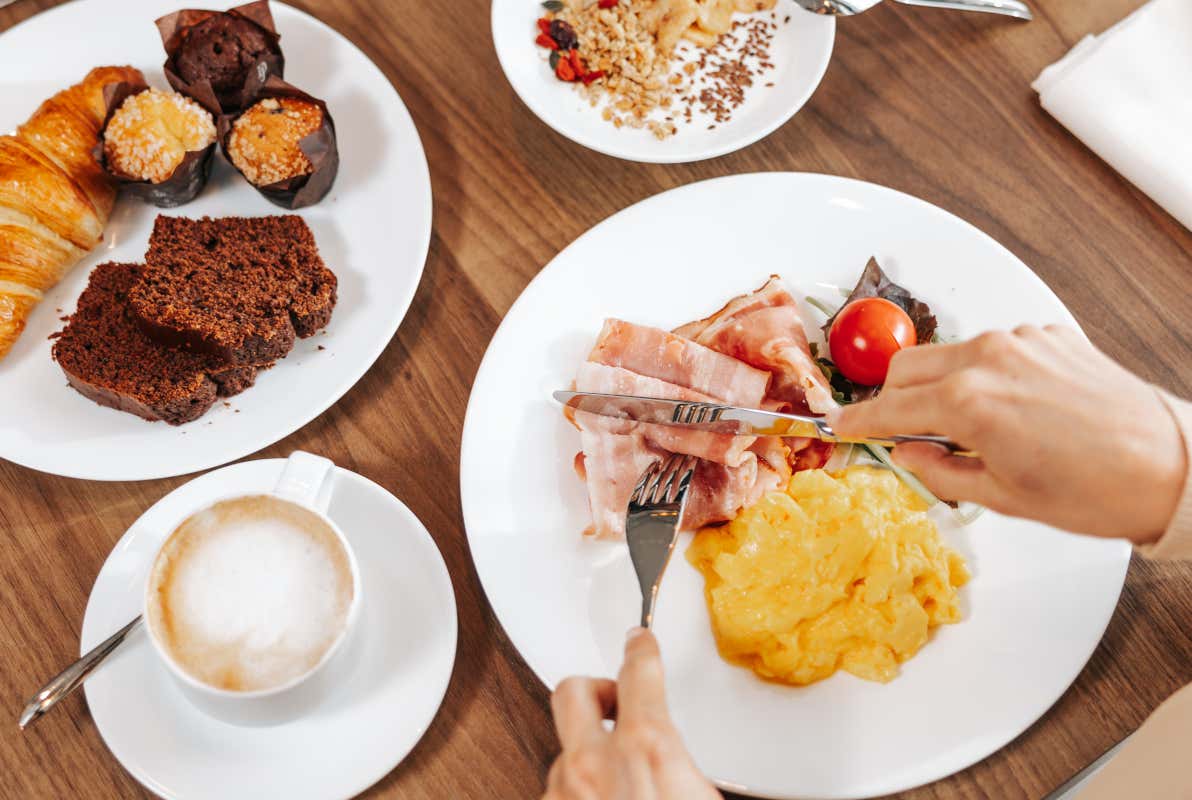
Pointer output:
110, 360
238, 288
221, 50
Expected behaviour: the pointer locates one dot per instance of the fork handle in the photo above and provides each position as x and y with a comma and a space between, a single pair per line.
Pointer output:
1008, 8
648, 599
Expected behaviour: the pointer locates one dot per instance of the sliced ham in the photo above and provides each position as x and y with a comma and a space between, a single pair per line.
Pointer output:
718, 492
723, 449
656, 353
751, 353
773, 455
764, 329
612, 463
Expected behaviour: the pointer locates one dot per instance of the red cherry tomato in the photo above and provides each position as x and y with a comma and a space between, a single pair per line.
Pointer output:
866, 335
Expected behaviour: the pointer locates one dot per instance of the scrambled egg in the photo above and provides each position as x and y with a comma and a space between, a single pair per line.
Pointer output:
842, 571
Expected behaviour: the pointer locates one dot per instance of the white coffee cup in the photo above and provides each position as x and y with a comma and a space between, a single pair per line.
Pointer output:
307, 483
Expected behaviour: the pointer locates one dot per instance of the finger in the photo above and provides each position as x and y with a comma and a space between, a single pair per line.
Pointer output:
948, 477
641, 693
913, 366
916, 409
579, 705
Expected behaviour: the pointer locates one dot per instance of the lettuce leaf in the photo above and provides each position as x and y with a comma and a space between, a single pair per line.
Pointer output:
875, 283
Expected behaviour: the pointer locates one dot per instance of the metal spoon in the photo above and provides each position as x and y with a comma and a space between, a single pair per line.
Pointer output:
846, 8
73, 676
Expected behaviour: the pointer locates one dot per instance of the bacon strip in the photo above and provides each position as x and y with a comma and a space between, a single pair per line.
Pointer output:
764, 329
658, 354
612, 464
722, 448
751, 353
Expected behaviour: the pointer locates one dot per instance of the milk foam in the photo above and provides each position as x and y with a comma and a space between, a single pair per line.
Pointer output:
250, 593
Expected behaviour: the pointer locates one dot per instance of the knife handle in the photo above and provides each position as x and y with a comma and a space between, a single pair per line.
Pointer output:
890, 441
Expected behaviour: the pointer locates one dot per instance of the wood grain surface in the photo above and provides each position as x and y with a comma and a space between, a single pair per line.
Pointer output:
934, 103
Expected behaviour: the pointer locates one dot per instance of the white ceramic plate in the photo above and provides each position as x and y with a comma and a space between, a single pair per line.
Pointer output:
373, 231
391, 682
1034, 611
800, 53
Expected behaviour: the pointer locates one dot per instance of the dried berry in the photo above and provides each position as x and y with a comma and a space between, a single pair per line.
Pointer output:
545, 41
594, 75
563, 34
544, 26
564, 71
606, 3
576, 64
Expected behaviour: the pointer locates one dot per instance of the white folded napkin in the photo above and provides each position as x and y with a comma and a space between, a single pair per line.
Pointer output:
1127, 94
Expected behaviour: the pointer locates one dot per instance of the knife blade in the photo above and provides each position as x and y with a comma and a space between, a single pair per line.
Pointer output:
731, 420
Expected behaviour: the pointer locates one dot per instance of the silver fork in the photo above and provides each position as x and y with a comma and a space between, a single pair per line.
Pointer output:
652, 523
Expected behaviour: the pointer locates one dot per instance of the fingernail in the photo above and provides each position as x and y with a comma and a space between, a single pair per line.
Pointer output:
634, 632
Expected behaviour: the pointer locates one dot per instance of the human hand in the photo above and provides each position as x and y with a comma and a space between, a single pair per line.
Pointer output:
642, 758
1066, 436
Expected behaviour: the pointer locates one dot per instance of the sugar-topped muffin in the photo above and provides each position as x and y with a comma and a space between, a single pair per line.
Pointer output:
152, 131
264, 140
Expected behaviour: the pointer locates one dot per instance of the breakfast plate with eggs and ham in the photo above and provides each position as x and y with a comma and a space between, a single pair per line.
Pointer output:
829, 629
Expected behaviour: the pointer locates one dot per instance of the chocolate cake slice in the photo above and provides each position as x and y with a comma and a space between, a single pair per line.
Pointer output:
109, 359
239, 288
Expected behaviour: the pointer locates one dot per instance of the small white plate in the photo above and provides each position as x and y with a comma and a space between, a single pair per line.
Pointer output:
373, 230
800, 53
1039, 600
393, 676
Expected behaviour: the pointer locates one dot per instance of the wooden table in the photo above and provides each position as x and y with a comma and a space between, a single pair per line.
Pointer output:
934, 103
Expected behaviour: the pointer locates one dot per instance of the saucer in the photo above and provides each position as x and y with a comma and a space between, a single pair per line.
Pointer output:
389, 686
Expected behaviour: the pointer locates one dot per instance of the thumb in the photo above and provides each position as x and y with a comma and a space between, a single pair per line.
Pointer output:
948, 477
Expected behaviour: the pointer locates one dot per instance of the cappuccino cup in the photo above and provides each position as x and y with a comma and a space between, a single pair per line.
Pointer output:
251, 599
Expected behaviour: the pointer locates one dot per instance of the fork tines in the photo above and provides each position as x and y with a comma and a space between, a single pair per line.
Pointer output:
665, 482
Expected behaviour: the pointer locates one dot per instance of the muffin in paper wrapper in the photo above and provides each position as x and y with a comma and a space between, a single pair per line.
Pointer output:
174, 29
319, 147
188, 178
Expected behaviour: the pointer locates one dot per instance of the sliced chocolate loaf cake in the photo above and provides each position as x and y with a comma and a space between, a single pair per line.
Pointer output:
239, 288
109, 359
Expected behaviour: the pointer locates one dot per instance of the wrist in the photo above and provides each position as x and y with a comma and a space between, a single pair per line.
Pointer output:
1167, 488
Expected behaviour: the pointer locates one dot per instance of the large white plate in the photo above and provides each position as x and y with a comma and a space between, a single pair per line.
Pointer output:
389, 681
1039, 600
373, 231
800, 53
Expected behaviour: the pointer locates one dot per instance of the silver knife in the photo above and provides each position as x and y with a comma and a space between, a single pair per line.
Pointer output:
731, 420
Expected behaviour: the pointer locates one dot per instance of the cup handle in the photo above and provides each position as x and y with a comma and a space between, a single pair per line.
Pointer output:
307, 480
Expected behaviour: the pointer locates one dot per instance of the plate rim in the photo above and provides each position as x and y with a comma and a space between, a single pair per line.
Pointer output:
214, 476
131, 470
627, 153
469, 436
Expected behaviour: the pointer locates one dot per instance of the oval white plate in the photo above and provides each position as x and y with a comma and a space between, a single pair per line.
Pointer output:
800, 53
373, 231
393, 676
1034, 611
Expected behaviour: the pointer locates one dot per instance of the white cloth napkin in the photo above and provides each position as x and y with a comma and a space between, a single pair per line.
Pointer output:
1127, 94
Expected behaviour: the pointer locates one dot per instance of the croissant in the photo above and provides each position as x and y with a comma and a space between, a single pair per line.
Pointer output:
55, 199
